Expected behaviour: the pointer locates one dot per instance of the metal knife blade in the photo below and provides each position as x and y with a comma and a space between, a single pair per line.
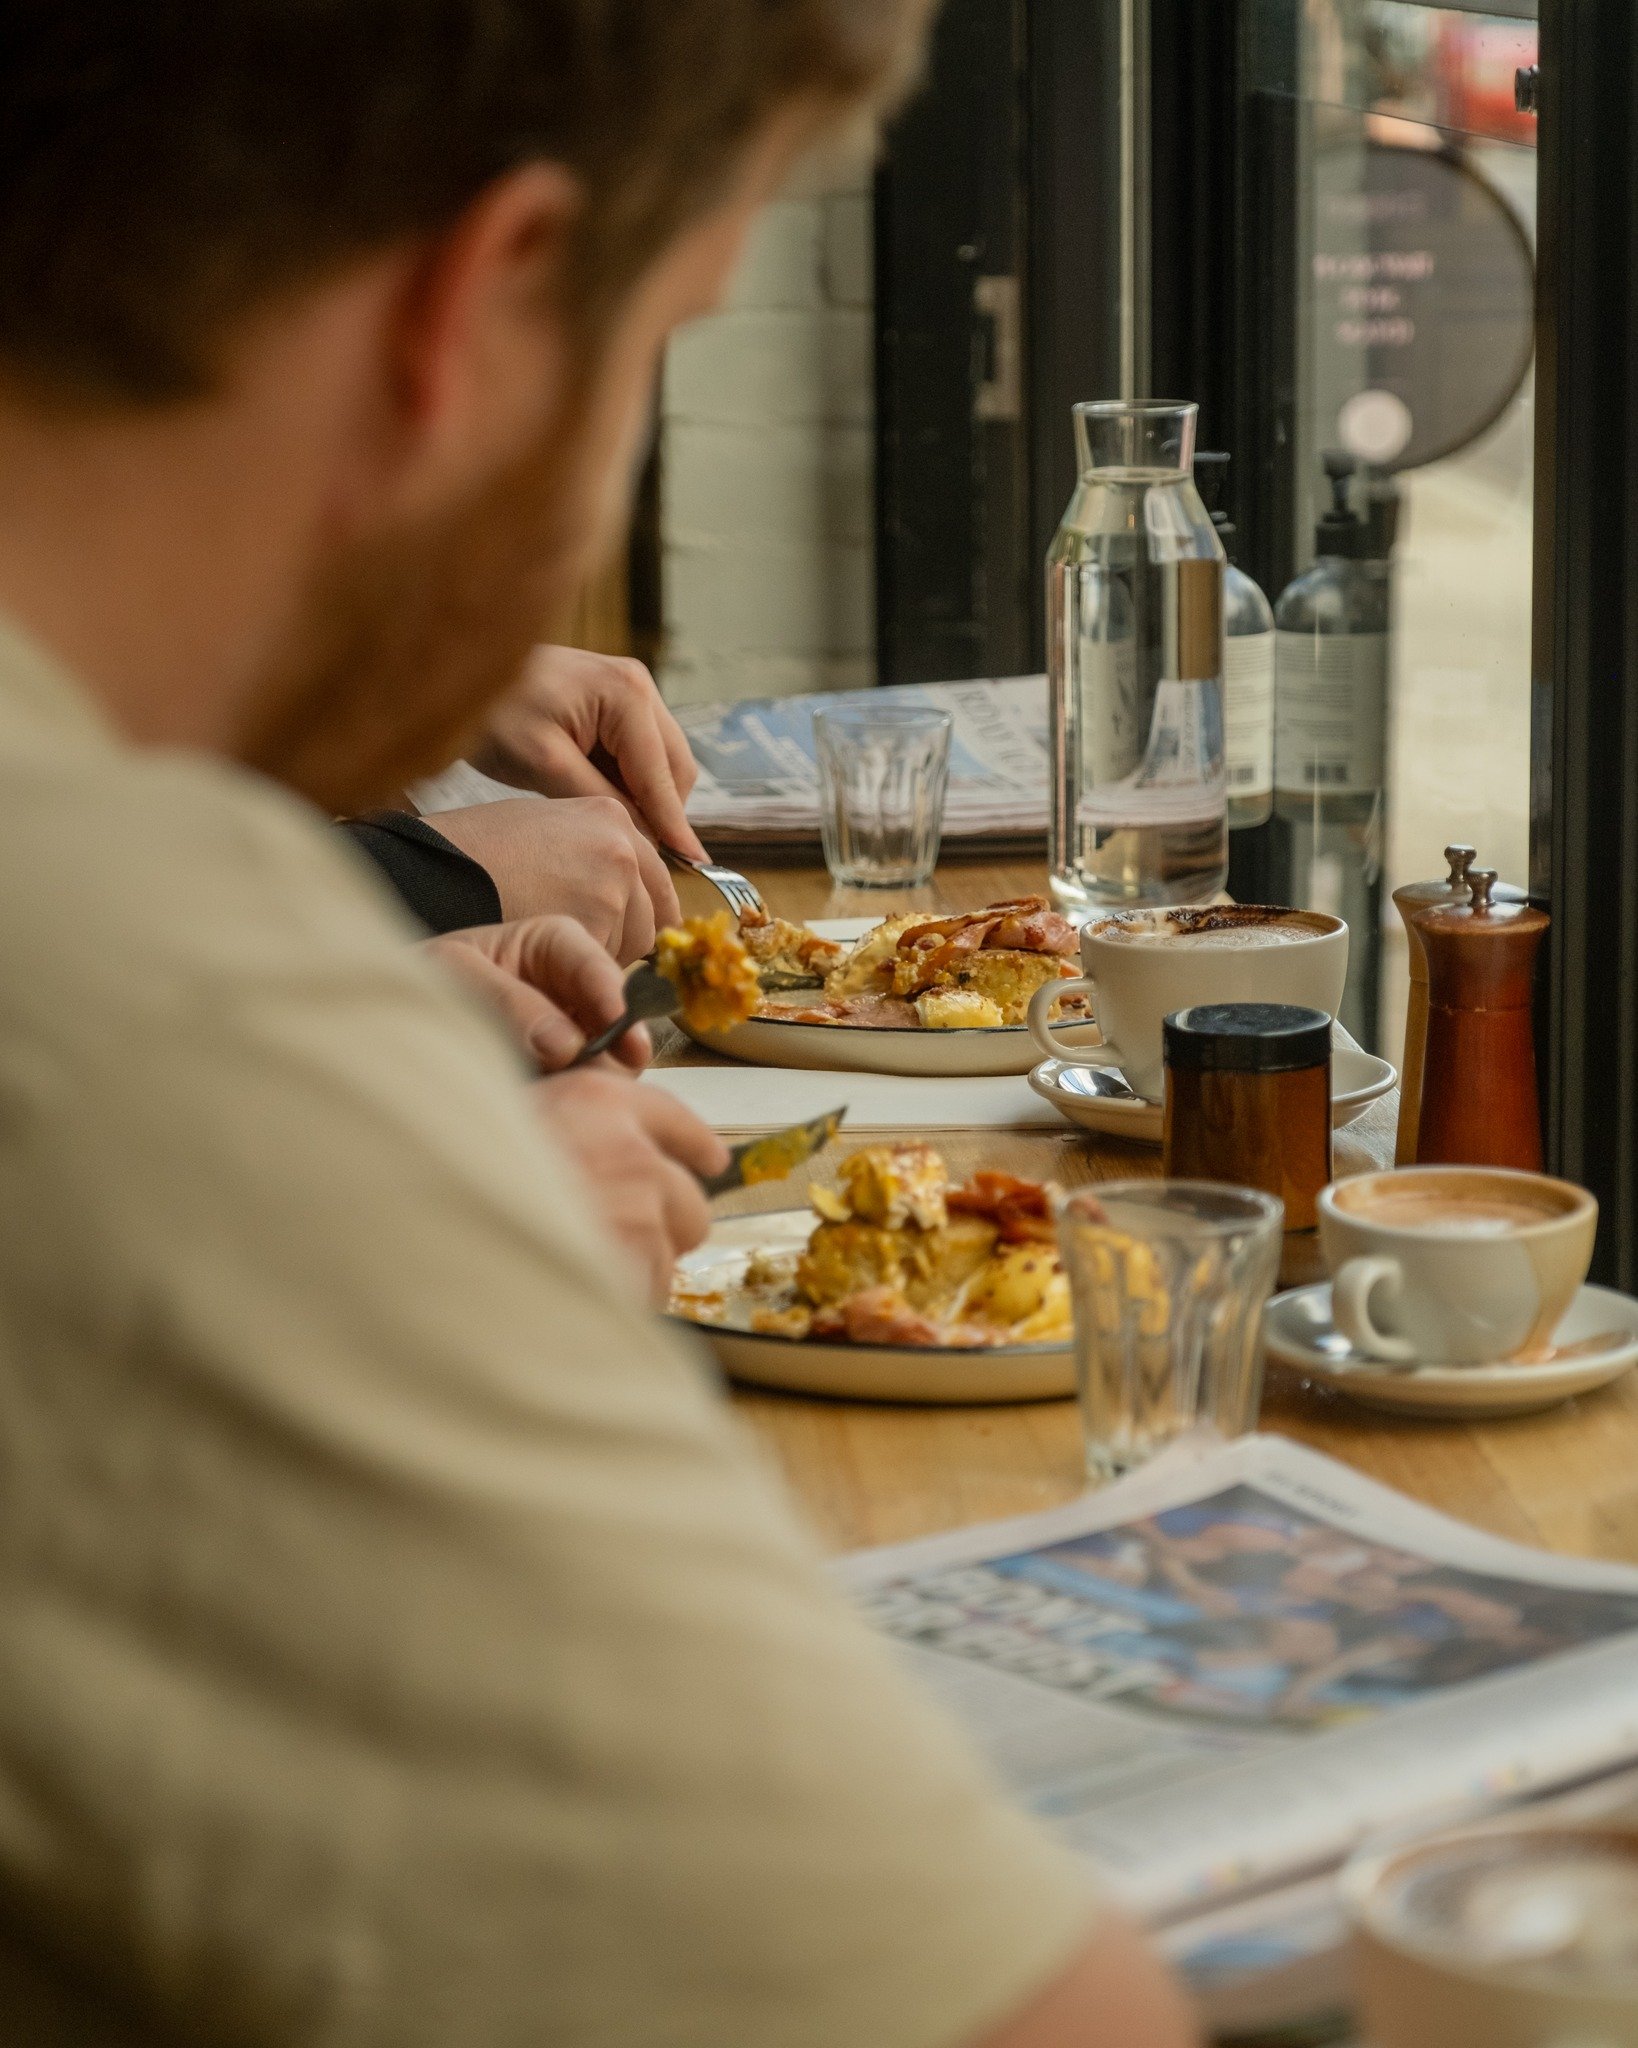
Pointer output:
775, 1154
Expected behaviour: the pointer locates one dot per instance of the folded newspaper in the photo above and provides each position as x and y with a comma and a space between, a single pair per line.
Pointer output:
1217, 1676
759, 779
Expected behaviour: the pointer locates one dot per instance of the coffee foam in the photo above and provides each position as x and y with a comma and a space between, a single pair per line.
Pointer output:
1562, 1904
1219, 927
1456, 1204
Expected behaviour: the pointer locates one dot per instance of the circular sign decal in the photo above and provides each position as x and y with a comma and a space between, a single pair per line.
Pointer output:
1423, 301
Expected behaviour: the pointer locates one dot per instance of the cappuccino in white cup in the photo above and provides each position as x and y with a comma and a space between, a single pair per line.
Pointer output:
1141, 965
1454, 1265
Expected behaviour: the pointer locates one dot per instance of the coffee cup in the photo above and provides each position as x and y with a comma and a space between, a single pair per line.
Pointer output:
1454, 1265
1517, 1933
1141, 965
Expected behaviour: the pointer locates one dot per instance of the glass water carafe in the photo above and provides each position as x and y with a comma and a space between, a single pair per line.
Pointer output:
1135, 650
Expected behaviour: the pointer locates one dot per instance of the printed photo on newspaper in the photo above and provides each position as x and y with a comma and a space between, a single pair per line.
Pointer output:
1222, 1672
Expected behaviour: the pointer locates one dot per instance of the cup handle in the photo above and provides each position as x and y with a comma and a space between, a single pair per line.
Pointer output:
1105, 1055
1351, 1292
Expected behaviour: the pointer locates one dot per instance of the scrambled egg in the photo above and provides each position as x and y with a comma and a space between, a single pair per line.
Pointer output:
1017, 1284
957, 1009
891, 1261
711, 970
1002, 980
975, 986
868, 968
780, 947
888, 1184
928, 1267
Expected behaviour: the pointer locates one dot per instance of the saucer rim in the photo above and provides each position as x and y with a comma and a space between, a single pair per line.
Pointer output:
1495, 1372
1383, 1082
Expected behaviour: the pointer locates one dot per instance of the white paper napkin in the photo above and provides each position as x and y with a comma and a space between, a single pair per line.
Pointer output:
746, 1098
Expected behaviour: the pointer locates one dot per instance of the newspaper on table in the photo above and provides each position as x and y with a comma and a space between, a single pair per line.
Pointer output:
1217, 1676
759, 777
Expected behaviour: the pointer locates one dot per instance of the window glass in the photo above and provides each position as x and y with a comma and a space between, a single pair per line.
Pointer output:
1413, 385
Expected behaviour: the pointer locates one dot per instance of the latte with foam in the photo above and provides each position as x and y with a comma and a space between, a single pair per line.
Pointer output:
1454, 1265
1453, 1207
1230, 927
1141, 965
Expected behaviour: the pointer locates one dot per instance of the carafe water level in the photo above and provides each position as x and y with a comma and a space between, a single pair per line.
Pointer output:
1135, 652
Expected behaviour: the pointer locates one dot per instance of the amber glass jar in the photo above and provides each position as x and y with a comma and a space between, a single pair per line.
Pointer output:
1248, 1100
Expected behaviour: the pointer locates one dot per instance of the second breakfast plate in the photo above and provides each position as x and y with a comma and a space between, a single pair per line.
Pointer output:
1357, 1080
855, 1372
867, 1049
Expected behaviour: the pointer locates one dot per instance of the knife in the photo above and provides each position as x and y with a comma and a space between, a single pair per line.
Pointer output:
774, 1154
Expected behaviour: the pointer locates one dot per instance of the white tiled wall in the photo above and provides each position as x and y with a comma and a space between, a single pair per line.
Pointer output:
767, 490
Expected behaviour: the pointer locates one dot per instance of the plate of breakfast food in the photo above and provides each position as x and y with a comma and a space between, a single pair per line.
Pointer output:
893, 1285
912, 994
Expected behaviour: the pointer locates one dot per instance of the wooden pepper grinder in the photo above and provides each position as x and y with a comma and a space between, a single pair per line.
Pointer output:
1479, 1101
1410, 898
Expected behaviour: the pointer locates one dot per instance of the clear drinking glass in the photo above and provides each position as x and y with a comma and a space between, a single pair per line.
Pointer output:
1169, 1280
882, 774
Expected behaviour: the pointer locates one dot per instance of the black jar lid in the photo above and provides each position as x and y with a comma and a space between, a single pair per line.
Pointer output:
1247, 1038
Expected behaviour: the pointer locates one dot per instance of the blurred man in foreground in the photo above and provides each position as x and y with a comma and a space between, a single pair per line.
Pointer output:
400, 1647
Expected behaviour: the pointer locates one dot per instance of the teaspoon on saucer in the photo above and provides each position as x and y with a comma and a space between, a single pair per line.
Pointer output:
1105, 1081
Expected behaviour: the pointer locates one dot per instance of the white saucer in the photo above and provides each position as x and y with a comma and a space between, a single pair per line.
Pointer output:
1357, 1080
1299, 1333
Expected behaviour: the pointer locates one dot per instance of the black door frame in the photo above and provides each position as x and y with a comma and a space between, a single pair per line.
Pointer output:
1584, 768
996, 240
954, 569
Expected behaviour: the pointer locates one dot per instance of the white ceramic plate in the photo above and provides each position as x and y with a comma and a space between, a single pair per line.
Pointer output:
1300, 1334
1357, 1080
858, 1372
861, 1049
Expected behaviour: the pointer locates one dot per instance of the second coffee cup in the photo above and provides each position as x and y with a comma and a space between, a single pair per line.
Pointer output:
1141, 965
1454, 1265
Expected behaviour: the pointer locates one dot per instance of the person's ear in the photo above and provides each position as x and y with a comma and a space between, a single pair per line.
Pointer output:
481, 351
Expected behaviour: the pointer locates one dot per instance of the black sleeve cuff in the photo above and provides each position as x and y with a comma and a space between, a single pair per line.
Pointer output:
445, 888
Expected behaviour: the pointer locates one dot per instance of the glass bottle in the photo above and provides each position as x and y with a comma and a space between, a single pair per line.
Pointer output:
1331, 646
1135, 652
1248, 666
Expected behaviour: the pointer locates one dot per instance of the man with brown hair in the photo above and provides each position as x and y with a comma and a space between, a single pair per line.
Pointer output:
399, 1645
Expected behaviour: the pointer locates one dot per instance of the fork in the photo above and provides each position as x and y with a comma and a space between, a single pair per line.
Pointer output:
738, 891
648, 994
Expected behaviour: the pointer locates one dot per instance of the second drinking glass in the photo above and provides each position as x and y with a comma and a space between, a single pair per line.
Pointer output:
882, 775
1169, 1281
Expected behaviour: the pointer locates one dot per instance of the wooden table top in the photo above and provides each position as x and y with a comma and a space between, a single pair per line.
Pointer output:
870, 1473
